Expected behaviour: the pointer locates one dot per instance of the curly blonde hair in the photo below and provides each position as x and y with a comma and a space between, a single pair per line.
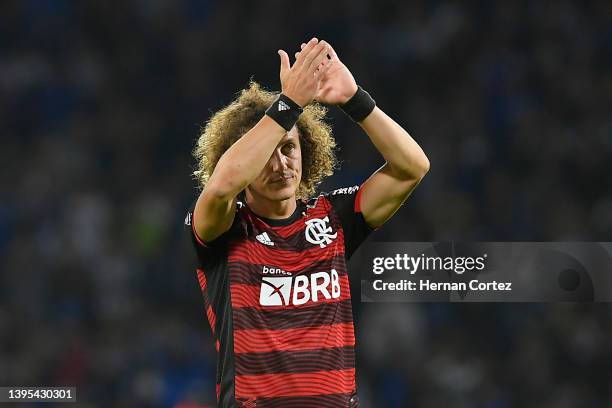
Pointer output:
229, 124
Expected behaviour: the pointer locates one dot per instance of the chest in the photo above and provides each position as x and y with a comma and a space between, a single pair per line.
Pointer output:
292, 266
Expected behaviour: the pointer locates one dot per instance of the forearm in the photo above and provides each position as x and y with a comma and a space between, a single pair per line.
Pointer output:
404, 156
245, 159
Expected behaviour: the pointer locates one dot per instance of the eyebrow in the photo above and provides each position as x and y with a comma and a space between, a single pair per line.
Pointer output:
287, 138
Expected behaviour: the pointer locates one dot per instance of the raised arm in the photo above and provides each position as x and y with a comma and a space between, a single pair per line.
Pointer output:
244, 160
406, 163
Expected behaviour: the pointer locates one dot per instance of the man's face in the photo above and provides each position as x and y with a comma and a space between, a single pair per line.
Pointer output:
280, 178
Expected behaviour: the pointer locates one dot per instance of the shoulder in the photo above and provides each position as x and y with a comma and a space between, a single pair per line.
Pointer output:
345, 191
239, 224
338, 195
341, 200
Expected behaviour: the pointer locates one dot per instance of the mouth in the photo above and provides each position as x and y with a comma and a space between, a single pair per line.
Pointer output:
282, 179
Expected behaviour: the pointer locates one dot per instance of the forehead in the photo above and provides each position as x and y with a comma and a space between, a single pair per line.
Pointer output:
292, 135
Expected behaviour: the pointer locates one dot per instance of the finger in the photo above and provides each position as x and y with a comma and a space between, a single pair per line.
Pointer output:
320, 73
315, 56
301, 48
321, 56
332, 53
309, 46
326, 66
324, 61
308, 55
284, 61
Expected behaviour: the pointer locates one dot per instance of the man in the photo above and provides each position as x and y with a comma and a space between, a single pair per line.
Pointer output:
272, 264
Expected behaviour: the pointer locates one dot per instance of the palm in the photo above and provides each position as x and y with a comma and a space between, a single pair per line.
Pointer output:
337, 85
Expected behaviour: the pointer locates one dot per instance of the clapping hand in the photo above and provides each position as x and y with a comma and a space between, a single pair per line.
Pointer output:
337, 84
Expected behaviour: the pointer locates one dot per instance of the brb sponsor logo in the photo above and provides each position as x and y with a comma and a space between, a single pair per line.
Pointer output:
300, 289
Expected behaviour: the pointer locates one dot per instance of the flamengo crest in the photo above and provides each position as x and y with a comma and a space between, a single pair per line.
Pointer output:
318, 232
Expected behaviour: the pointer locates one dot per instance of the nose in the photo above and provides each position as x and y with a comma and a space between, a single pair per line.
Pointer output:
278, 161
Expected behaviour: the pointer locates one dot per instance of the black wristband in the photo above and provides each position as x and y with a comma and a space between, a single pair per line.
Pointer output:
359, 106
284, 111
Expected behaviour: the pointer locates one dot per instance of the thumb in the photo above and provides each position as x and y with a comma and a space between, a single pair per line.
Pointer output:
284, 61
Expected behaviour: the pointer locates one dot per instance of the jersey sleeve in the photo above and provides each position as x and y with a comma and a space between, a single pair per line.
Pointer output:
346, 204
208, 250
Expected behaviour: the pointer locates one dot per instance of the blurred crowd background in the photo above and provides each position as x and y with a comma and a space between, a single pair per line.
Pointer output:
100, 106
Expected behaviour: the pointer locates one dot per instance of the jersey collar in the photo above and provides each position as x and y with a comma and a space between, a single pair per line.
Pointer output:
300, 208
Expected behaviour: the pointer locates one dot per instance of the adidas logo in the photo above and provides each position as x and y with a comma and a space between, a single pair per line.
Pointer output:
282, 106
264, 239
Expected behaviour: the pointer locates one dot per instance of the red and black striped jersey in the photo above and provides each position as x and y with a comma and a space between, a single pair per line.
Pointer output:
277, 298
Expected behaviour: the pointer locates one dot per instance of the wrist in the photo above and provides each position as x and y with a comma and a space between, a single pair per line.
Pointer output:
350, 96
284, 111
359, 106
295, 99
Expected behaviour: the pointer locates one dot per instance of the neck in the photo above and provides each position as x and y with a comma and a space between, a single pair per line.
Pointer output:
273, 209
